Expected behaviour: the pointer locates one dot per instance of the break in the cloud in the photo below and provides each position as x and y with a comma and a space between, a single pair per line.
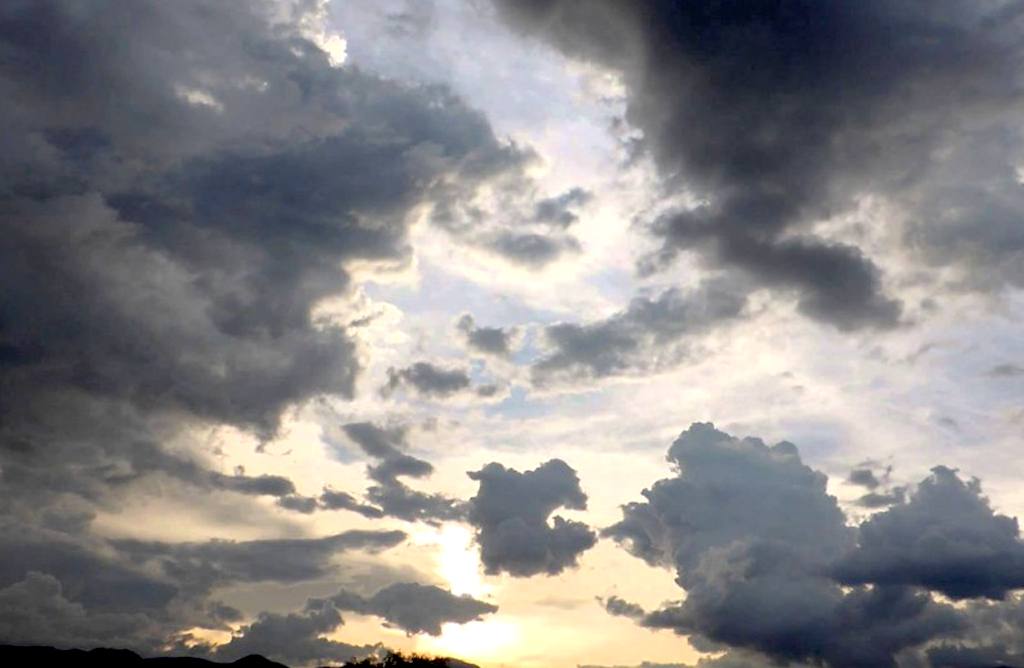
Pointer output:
511, 514
414, 608
773, 118
648, 336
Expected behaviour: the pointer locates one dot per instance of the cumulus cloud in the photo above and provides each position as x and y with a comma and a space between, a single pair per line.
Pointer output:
649, 335
511, 512
946, 538
414, 608
773, 118
752, 535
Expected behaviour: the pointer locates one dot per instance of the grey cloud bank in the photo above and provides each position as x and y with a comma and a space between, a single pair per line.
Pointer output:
778, 116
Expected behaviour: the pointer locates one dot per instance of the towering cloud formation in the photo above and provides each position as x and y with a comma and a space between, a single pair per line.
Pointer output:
773, 116
764, 553
511, 511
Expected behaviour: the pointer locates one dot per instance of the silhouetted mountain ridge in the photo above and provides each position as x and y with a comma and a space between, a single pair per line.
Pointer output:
117, 658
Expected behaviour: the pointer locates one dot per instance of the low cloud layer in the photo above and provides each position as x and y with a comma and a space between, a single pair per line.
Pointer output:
295, 638
511, 514
415, 608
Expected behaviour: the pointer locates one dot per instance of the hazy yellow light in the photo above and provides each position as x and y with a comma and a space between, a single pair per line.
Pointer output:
460, 563
457, 559
475, 641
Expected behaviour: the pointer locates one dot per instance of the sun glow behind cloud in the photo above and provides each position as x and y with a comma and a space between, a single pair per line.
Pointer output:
476, 641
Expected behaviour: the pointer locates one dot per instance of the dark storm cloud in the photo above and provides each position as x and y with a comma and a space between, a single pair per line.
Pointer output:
511, 512
487, 340
183, 184
946, 538
650, 334
995, 637
414, 608
428, 380
751, 534
89, 575
172, 223
776, 115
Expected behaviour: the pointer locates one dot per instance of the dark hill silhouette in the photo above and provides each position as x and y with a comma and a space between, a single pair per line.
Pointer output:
16, 657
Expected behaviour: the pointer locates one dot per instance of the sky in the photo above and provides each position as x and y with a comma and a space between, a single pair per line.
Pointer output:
538, 333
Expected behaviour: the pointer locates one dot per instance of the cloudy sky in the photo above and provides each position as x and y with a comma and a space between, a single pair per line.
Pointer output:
541, 333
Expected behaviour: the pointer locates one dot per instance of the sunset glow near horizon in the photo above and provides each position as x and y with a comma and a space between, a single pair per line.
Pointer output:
534, 333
